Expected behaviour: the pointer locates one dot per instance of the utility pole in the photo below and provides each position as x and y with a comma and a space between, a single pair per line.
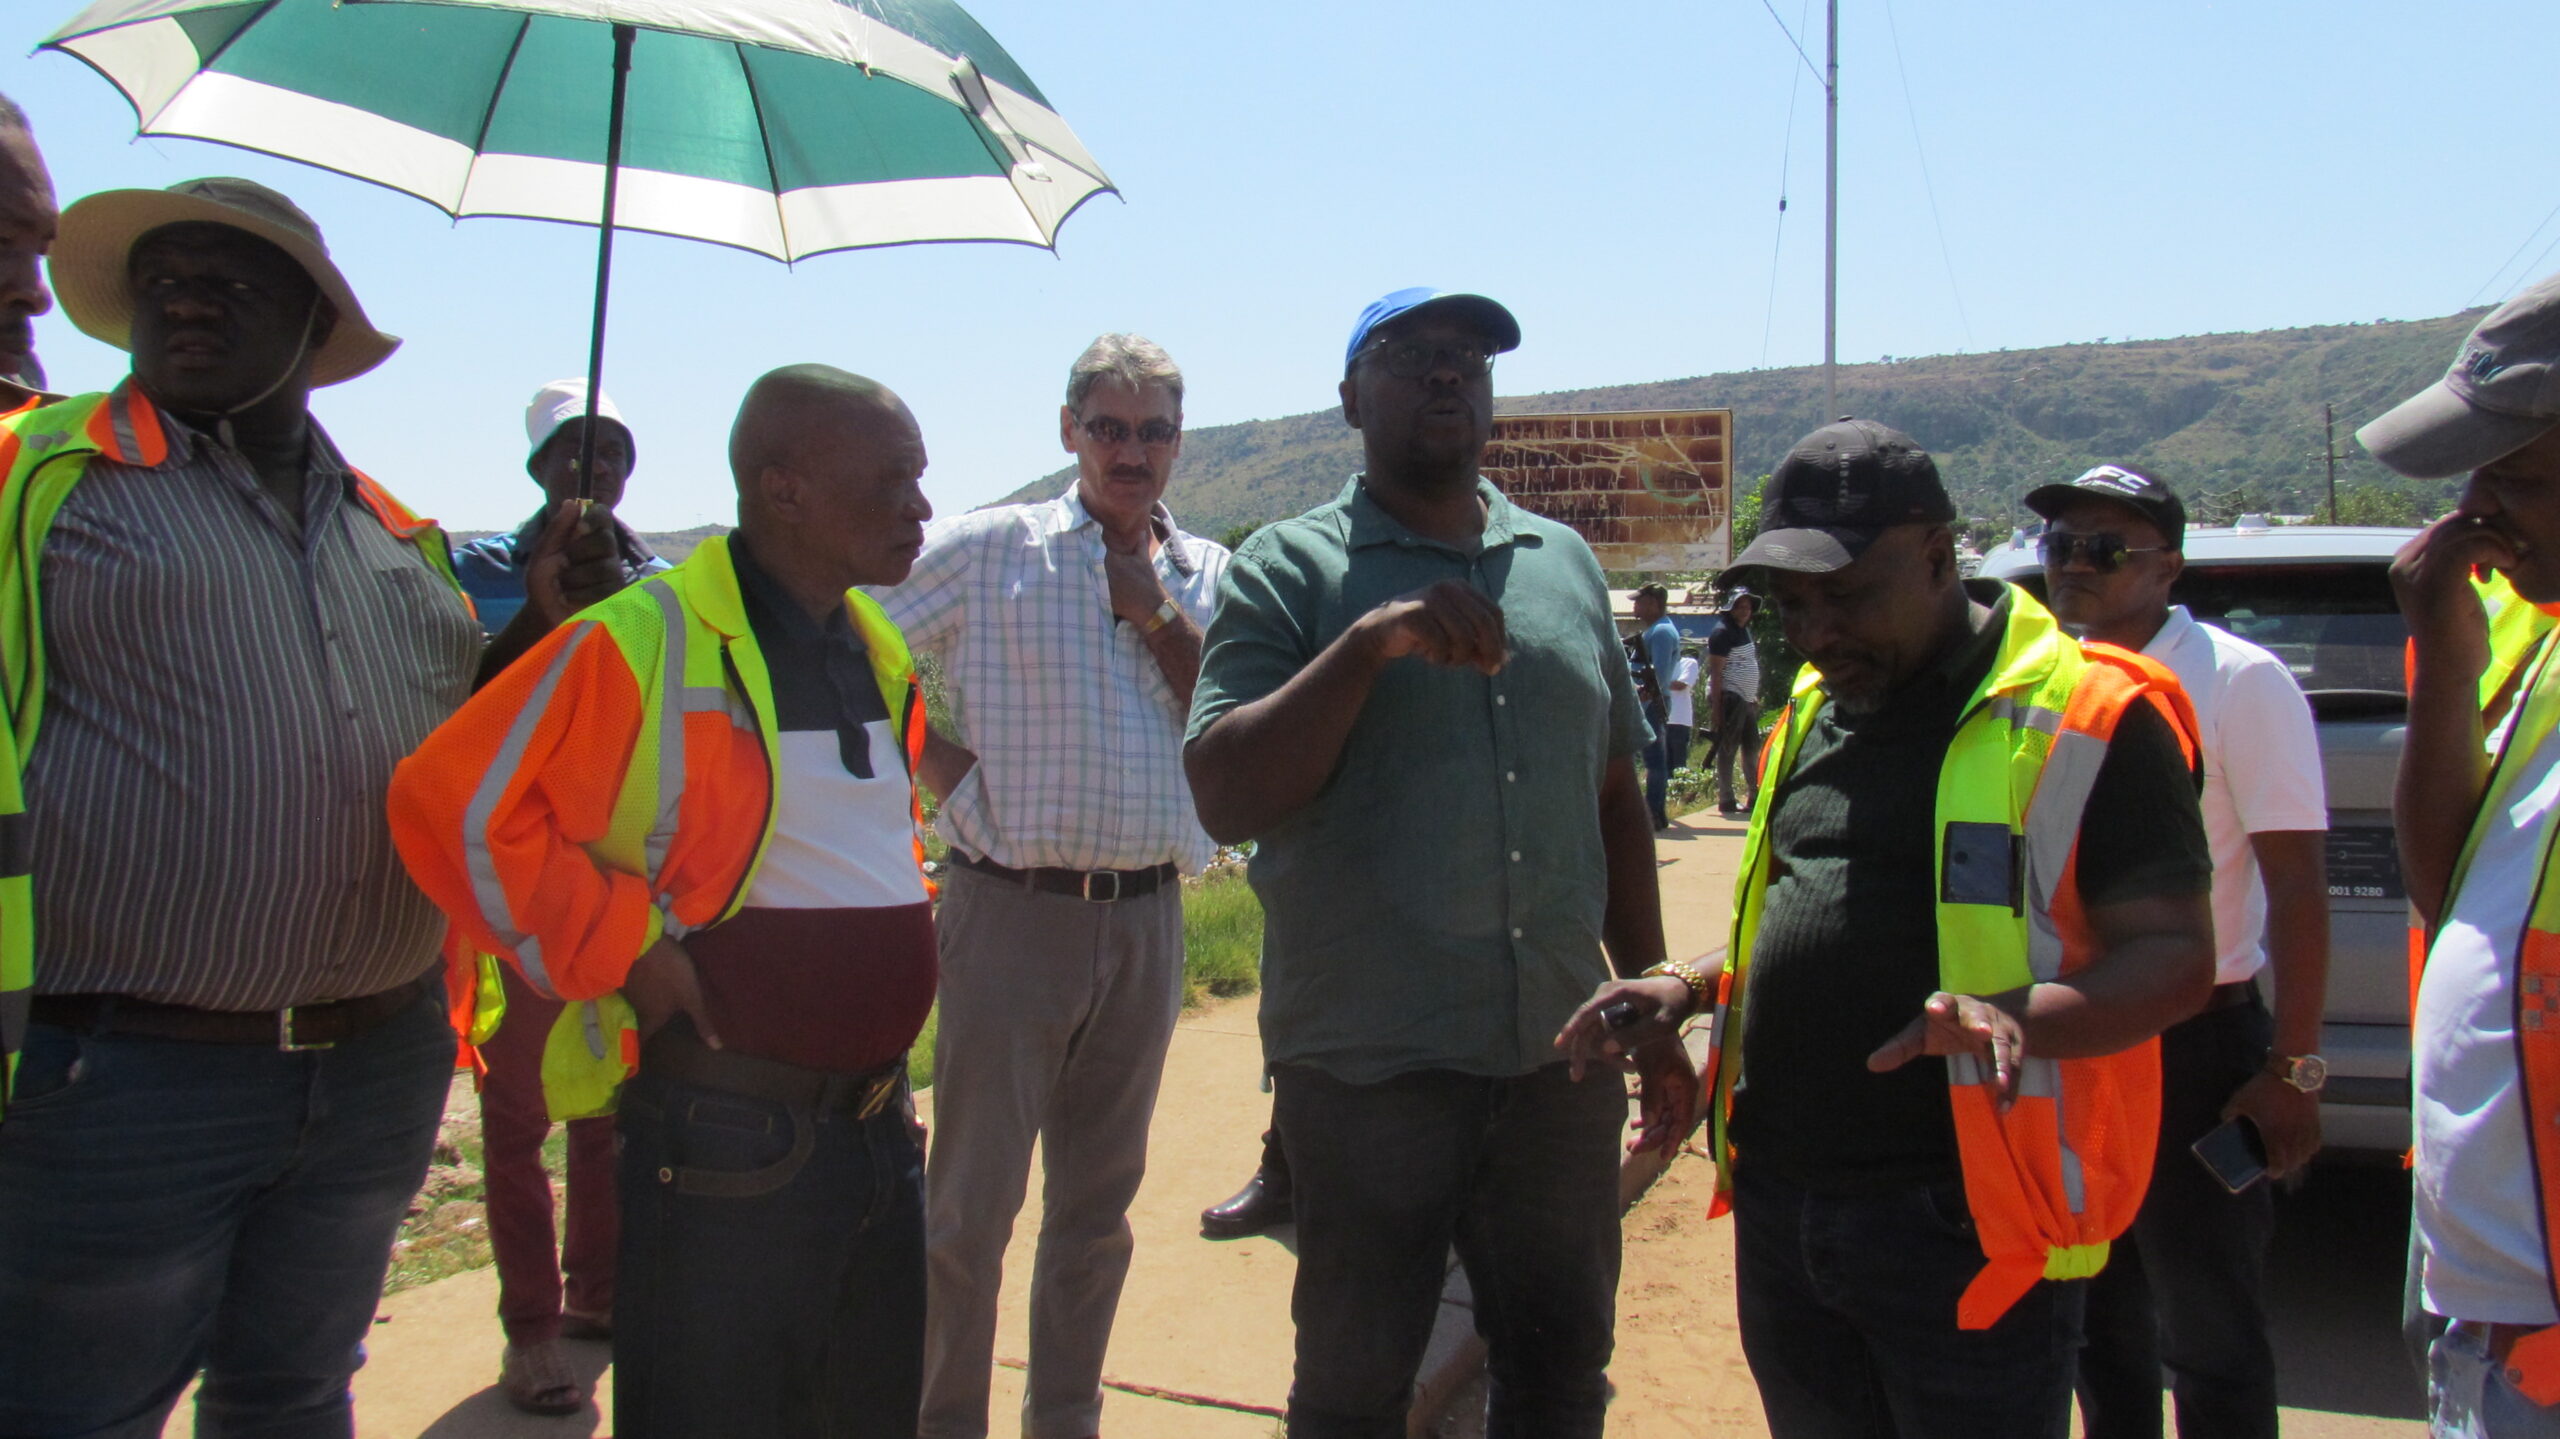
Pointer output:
1831, 222
2329, 453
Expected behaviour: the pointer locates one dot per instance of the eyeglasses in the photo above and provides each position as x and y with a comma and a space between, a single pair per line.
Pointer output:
1413, 359
1109, 430
2104, 553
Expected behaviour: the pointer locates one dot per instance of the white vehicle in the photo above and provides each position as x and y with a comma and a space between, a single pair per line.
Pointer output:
2319, 597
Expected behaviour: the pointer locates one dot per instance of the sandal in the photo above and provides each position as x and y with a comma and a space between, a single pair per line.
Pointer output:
536, 1379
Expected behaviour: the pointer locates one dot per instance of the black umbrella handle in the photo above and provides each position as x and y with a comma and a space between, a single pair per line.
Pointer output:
622, 38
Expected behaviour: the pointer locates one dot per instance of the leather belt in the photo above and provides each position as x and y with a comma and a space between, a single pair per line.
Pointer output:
1101, 886
297, 1027
2227, 996
675, 1053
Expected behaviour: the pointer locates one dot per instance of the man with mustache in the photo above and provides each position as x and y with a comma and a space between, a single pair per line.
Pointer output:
690, 814
231, 1033
1416, 706
1978, 845
27, 222
2186, 1285
2478, 789
1069, 638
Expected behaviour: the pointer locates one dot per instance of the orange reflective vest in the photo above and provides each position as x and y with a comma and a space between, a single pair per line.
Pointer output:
613, 785
45, 449
2059, 1176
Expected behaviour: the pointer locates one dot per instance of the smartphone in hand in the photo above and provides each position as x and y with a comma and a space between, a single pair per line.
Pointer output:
2235, 1153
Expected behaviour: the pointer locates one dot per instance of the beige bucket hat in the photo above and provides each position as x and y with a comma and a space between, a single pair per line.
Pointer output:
98, 234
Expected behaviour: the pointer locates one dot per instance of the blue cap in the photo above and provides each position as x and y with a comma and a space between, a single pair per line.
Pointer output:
1496, 321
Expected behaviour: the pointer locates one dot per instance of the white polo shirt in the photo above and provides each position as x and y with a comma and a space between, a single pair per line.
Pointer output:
2261, 771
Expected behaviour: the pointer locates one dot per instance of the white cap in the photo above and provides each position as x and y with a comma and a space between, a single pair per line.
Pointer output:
558, 403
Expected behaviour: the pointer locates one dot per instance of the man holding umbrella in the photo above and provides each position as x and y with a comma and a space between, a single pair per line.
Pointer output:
233, 1057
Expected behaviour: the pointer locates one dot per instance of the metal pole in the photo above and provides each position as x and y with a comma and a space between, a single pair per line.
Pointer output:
1831, 223
2329, 451
622, 37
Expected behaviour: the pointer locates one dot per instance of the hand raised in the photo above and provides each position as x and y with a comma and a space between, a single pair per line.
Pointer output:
1136, 590
1952, 1024
576, 561
2431, 577
1449, 623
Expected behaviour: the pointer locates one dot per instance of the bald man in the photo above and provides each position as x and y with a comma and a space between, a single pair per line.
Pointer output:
691, 814
27, 217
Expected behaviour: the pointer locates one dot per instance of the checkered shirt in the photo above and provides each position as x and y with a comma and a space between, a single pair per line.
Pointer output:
1078, 736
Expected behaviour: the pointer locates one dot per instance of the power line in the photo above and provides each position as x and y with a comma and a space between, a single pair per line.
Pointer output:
2511, 259
1927, 186
2529, 271
1791, 39
1786, 165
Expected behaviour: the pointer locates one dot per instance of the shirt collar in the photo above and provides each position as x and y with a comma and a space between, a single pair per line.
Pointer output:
635, 551
1372, 525
1073, 516
767, 599
2172, 630
133, 431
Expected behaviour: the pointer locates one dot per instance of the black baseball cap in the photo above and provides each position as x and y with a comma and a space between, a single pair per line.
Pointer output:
2130, 488
1838, 490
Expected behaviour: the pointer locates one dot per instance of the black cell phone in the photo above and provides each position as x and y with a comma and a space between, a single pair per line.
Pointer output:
2235, 1152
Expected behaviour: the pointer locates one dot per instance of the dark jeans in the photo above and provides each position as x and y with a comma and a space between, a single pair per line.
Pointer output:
1737, 738
2187, 1285
771, 1282
1520, 1175
1676, 745
1848, 1310
1657, 764
167, 1207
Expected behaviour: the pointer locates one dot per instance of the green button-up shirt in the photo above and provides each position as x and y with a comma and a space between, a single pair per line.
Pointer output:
1438, 905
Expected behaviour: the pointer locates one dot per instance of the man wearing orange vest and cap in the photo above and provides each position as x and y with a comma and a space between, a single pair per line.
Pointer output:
228, 1024
1974, 889
690, 814
2478, 792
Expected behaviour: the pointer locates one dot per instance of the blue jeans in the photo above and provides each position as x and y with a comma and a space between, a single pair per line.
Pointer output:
1848, 1310
771, 1281
167, 1207
2468, 1396
1520, 1175
2187, 1284
1657, 764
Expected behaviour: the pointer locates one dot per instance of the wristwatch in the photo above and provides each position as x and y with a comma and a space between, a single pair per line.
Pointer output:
1165, 614
2306, 1072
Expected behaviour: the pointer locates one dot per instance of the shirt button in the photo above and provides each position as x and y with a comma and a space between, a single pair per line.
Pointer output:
1515, 856
1502, 699
1511, 776
1517, 932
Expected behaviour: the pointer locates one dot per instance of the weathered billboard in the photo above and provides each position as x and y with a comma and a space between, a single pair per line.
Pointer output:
1650, 490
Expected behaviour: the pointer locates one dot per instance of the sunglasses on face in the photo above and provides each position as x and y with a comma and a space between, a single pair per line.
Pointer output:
1413, 359
1106, 430
2103, 553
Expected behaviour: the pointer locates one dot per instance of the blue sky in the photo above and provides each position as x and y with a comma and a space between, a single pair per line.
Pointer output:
1609, 170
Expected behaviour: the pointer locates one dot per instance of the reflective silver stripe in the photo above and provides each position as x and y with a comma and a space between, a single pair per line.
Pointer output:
702, 700
2037, 1078
120, 418
2034, 717
593, 1024
672, 708
486, 891
2053, 827
2075, 1182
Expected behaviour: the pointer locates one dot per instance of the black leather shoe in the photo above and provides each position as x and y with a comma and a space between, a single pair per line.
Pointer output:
1259, 1206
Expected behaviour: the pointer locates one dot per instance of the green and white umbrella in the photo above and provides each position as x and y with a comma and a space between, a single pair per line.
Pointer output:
787, 127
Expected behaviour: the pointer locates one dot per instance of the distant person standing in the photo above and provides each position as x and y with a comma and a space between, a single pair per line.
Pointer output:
1683, 702
2186, 1285
2477, 832
1733, 684
1069, 633
1659, 640
1415, 704
492, 570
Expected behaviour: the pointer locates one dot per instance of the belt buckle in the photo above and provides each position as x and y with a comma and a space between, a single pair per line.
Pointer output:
1093, 874
285, 1040
881, 1089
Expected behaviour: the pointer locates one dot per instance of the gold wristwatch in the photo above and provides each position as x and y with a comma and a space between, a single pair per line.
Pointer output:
1702, 990
1163, 616
2306, 1072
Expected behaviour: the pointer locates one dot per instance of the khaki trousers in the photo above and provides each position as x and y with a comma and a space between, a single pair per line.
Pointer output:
1055, 1017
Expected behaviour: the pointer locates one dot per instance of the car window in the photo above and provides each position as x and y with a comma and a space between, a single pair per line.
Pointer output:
2335, 626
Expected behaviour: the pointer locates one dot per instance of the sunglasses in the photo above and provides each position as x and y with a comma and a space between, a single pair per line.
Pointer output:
1413, 359
2103, 553
1105, 430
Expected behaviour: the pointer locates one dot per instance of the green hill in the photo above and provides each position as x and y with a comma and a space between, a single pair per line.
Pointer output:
2233, 421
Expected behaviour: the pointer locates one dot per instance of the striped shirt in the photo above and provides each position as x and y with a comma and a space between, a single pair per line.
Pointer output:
1078, 736
226, 695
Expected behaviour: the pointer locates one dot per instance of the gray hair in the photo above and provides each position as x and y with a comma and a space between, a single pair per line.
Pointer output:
11, 117
1133, 360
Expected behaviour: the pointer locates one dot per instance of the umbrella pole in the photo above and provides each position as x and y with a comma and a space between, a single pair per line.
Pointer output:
622, 37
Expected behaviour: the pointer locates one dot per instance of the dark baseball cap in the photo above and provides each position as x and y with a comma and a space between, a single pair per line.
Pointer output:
2130, 488
1487, 315
2502, 394
1839, 489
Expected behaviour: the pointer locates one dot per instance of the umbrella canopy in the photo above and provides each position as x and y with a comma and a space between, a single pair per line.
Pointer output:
787, 127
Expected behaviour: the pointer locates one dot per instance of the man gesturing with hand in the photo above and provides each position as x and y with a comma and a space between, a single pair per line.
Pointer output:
1412, 701
1978, 844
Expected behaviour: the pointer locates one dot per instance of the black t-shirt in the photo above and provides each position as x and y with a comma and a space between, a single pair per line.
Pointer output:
1848, 944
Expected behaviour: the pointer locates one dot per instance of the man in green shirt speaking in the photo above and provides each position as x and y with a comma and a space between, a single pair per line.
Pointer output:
1413, 701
